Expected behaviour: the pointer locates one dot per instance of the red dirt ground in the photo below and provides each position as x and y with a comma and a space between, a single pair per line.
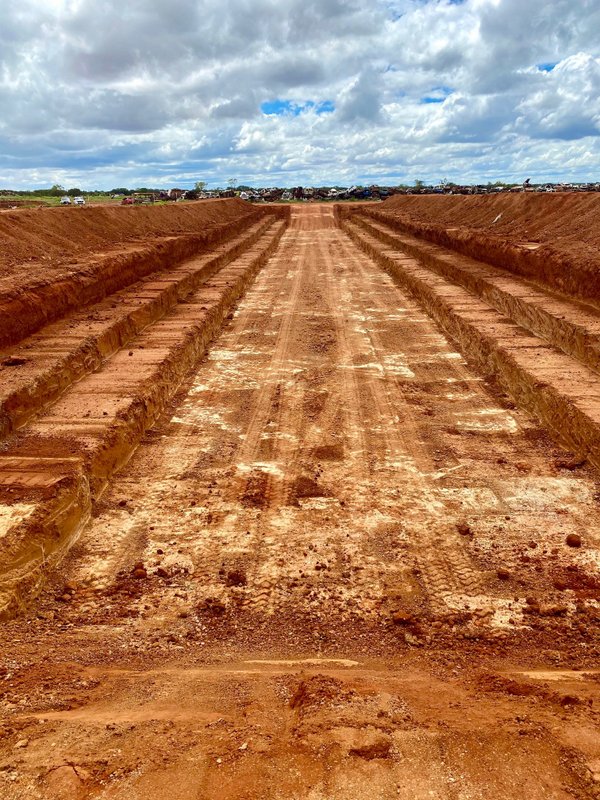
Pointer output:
494, 228
336, 568
44, 242
562, 219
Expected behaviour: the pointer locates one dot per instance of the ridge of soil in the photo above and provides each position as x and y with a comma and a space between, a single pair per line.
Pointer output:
78, 256
44, 242
553, 238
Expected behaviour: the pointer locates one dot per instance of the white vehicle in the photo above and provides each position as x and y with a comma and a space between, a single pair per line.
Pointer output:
79, 201
65, 201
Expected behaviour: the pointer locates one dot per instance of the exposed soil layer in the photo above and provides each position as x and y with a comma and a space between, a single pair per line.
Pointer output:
340, 566
553, 238
54, 260
45, 240
555, 387
86, 389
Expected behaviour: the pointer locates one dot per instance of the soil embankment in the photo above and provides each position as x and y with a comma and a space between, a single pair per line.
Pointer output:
77, 396
552, 238
54, 260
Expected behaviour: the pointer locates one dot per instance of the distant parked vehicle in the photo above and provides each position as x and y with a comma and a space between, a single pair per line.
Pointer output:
127, 201
79, 201
65, 201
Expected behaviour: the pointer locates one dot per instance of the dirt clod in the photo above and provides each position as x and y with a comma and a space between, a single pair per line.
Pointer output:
236, 577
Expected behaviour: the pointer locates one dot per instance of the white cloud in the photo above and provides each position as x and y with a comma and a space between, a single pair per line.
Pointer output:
102, 94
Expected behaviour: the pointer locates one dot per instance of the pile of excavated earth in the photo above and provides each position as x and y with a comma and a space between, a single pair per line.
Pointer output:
301, 501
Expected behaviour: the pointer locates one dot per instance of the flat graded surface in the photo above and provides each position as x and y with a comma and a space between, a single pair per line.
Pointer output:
355, 580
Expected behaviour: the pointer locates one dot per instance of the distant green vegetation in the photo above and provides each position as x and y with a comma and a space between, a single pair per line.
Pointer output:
51, 196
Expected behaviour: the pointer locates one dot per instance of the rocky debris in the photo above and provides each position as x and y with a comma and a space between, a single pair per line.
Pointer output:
491, 682
569, 462
161, 572
464, 529
573, 540
319, 690
503, 574
214, 606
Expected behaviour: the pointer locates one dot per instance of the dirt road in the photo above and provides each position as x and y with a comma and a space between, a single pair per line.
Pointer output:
337, 569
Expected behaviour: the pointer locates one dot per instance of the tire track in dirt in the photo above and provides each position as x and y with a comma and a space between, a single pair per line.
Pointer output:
325, 456
445, 570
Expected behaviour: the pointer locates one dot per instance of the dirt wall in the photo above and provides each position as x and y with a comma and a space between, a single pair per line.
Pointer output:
553, 238
57, 237
53, 260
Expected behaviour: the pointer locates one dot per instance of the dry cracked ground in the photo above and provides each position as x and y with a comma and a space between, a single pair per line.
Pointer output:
336, 570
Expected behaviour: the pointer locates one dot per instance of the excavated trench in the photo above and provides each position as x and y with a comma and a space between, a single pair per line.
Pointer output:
272, 533
78, 396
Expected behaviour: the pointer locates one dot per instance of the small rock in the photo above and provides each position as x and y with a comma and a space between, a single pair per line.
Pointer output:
402, 618
162, 572
22, 743
503, 574
560, 584
373, 746
553, 610
139, 573
569, 463
573, 540
243, 746
464, 529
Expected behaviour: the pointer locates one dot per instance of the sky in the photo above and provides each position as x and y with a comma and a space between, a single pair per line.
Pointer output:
163, 93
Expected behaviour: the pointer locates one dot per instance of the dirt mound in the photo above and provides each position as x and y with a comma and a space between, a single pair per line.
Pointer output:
54, 260
554, 238
54, 238
564, 217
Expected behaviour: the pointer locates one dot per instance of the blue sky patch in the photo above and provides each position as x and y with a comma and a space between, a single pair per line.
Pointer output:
547, 66
437, 95
281, 108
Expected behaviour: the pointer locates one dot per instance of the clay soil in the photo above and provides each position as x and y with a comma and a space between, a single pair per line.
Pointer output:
45, 243
336, 569
554, 237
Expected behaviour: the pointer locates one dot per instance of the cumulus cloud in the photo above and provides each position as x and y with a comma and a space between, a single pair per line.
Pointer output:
297, 91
